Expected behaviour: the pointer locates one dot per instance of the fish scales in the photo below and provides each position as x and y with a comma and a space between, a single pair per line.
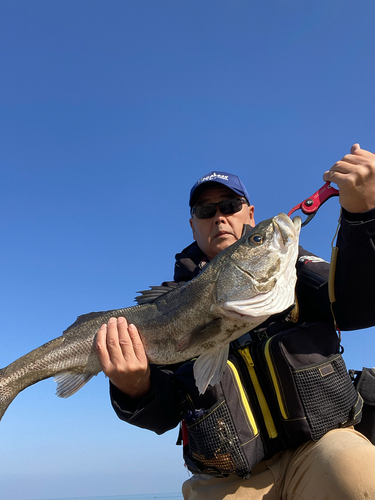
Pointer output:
236, 291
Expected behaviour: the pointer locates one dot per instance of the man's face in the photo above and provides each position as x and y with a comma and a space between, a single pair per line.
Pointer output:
215, 234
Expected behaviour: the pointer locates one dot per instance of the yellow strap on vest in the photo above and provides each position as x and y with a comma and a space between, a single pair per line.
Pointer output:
294, 313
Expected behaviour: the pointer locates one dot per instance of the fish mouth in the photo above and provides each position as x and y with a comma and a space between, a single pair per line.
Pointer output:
279, 295
289, 229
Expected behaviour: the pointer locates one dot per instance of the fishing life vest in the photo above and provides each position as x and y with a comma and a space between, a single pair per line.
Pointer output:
285, 383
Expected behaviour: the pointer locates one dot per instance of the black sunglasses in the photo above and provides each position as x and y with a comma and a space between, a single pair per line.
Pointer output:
226, 207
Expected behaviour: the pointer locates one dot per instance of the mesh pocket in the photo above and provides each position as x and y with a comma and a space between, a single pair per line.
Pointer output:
214, 443
328, 396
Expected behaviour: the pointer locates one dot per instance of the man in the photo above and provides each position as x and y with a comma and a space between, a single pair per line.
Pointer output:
338, 465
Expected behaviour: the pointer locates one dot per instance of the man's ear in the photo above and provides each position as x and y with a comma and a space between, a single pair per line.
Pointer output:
251, 215
192, 228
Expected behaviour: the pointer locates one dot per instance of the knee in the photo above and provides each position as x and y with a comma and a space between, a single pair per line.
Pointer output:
345, 462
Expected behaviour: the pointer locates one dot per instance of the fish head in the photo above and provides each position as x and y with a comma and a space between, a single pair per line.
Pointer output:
257, 274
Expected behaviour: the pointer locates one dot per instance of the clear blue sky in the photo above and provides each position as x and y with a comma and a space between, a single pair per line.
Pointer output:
110, 111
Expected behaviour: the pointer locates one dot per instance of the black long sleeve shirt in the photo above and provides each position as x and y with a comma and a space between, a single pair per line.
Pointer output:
160, 410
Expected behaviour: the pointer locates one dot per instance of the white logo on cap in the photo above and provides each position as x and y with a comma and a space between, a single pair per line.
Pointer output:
212, 177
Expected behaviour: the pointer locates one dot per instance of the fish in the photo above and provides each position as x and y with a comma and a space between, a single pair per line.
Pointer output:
236, 291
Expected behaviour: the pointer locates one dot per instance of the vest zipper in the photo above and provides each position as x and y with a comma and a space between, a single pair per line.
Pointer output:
267, 417
275, 383
244, 400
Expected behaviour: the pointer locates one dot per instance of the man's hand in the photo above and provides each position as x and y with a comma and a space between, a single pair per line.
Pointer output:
122, 356
355, 178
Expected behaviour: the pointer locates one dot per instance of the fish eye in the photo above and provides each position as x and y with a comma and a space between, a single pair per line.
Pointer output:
255, 239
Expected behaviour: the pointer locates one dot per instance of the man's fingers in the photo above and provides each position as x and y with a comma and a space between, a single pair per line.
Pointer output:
118, 341
354, 175
124, 342
124, 338
122, 357
354, 148
137, 343
101, 347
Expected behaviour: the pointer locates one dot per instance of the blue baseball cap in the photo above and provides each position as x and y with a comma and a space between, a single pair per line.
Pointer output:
224, 178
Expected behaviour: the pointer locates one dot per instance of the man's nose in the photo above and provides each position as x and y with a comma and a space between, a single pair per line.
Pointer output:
219, 217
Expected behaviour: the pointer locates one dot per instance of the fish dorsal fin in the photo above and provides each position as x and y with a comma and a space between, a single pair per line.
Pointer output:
209, 367
85, 317
156, 292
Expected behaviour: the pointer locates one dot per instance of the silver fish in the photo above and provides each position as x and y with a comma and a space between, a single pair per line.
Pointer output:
237, 290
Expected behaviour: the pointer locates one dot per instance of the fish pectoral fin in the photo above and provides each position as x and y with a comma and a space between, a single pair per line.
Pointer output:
209, 367
200, 334
68, 383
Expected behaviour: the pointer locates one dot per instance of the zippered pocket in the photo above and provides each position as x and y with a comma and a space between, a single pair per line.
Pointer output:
243, 398
310, 383
277, 387
267, 417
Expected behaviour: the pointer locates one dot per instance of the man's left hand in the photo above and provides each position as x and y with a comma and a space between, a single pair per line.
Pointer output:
355, 178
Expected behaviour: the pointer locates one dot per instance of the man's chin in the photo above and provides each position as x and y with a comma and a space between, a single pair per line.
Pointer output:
223, 244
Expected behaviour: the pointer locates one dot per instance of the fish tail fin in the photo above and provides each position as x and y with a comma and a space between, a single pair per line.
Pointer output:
68, 383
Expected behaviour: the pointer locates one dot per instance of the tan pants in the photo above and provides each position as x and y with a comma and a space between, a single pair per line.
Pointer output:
340, 466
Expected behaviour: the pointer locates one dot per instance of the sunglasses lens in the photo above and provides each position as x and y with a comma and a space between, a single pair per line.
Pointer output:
205, 211
226, 207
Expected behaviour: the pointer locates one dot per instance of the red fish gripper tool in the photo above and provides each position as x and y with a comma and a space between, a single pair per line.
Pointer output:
311, 205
